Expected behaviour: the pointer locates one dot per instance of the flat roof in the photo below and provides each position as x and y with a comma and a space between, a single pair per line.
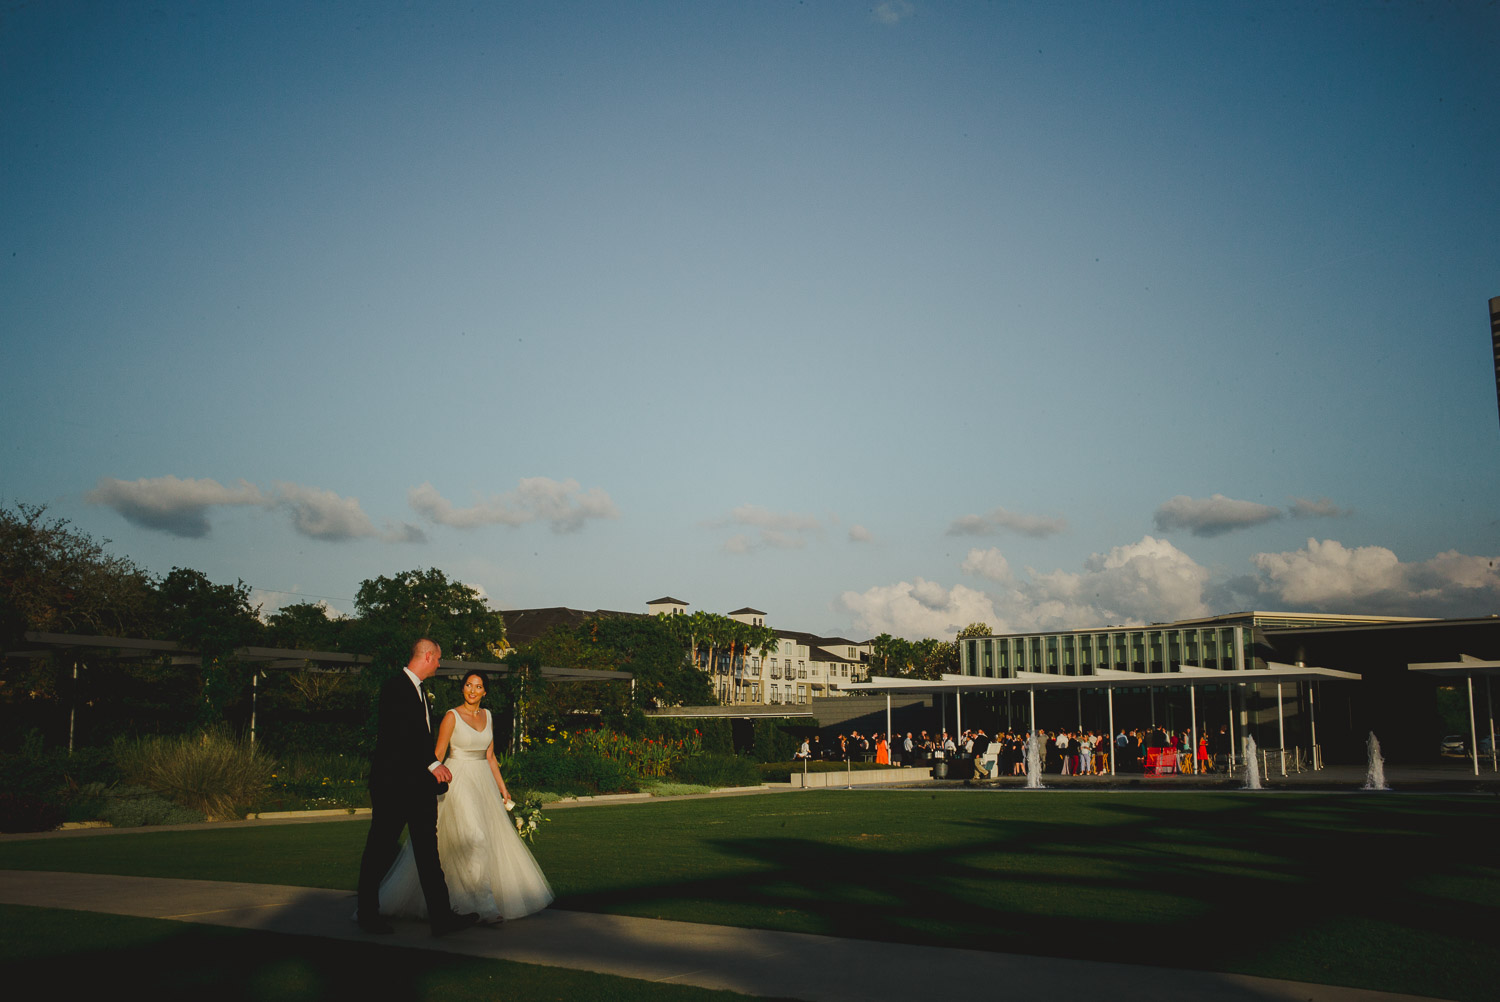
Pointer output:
121, 649
1105, 678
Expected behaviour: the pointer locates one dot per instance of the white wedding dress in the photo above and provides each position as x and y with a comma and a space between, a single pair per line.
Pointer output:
488, 868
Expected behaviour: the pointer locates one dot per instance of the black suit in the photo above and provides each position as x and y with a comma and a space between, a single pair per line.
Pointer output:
403, 794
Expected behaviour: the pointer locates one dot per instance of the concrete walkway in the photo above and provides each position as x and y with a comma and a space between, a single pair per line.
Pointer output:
750, 961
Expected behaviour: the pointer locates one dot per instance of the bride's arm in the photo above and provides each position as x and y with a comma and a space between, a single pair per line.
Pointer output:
445, 734
489, 756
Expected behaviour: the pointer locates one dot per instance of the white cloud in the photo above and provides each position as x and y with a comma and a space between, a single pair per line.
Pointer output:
1153, 581
859, 534
1212, 516
270, 601
763, 518
170, 504
773, 530
923, 609
563, 504
1328, 576
1137, 583
893, 11
1035, 526
782, 540
989, 563
1317, 508
1146, 581
738, 543
322, 514
181, 507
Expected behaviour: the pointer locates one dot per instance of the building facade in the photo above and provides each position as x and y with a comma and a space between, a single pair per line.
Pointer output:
1231, 642
801, 667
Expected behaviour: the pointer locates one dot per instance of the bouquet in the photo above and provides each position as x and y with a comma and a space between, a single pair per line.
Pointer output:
527, 816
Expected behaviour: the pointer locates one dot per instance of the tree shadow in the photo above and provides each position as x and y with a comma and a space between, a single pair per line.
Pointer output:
1327, 889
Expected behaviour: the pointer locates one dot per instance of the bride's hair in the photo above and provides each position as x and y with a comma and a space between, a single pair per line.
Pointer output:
474, 674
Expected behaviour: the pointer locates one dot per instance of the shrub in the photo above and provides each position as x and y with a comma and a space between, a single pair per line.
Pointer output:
318, 781
39, 786
579, 773
209, 772
127, 807
646, 757
773, 743
718, 736
27, 812
718, 770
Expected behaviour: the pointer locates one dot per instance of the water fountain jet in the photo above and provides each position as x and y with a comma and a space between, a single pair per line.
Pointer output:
1034, 762
1252, 765
1375, 771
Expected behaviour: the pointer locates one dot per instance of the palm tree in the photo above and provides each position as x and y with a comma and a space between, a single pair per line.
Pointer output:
735, 635
764, 641
881, 648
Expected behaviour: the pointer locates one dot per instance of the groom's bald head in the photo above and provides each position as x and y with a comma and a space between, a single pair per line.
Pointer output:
425, 656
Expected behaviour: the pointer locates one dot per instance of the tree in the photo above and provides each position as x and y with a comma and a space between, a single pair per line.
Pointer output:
56, 579
306, 626
395, 612
212, 620
897, 657
764, 641
975, 630
649, 650
313, 708
934, 658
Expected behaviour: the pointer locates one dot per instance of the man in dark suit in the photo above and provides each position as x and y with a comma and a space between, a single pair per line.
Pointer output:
404, 780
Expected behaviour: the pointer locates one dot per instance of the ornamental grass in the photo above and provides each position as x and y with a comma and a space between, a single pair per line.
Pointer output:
211, 772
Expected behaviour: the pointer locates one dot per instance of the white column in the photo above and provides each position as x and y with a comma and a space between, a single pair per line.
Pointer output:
1312, 712
958, 712
1229, 694
1281, 728
1113, 748
1032, 694
1473, 732
1193, 744
1489, 702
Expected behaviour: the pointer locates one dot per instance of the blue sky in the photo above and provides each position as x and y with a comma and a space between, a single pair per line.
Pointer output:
875, 318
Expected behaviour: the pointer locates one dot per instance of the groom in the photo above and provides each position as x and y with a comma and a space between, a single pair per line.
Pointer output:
404, 780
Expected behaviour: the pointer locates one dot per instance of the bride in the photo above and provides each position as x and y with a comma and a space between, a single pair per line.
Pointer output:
488, 868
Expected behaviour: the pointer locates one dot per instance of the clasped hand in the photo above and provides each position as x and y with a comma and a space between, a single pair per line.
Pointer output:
442, 775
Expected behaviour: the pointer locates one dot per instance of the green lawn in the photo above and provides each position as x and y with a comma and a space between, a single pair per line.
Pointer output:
1391, 892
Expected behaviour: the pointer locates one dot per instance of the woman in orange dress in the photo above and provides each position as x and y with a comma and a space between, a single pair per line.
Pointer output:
882, 750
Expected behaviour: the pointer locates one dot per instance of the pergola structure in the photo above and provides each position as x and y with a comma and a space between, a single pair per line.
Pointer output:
1109, 680
1468, 668
745, 711
81, 651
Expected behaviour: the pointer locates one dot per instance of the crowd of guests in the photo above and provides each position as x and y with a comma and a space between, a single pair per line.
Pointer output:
1060, 753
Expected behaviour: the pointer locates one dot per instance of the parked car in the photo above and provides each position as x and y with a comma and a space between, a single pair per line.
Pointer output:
1453, 744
